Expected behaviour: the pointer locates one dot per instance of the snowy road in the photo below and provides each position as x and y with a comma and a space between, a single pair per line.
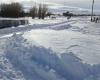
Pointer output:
59, 26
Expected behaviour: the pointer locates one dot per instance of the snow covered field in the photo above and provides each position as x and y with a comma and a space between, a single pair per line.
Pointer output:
51, 50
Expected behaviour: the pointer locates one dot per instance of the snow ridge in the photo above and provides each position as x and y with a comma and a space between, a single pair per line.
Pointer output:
38, 63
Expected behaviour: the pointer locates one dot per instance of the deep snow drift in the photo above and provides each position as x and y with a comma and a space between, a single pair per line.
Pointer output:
58, 51
30, 62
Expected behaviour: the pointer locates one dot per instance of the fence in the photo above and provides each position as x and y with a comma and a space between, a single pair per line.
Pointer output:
9, 22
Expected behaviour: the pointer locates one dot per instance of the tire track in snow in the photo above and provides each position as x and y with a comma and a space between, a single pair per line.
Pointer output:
24, 28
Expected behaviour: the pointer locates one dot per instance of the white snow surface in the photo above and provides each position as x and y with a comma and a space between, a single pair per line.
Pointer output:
57, 50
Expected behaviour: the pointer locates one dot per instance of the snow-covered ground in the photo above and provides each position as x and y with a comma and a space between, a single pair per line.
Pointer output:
51, 50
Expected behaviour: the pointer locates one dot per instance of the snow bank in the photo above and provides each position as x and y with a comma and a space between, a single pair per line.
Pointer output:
47, 20
38, 63
22, 28
21, 60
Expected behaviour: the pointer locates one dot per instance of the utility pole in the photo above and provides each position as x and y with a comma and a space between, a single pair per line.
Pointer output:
92, 13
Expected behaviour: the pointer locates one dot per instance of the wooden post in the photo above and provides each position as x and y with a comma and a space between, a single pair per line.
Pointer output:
92, 12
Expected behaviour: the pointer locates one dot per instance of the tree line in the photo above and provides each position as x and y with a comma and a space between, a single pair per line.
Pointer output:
15, 10
68, 13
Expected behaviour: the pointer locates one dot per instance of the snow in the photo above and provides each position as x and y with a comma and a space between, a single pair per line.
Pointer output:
57, 50
77, 35
47, 20
61, 41
2, 18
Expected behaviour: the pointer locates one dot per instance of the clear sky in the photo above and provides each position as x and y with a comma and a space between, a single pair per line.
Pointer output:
74, 3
